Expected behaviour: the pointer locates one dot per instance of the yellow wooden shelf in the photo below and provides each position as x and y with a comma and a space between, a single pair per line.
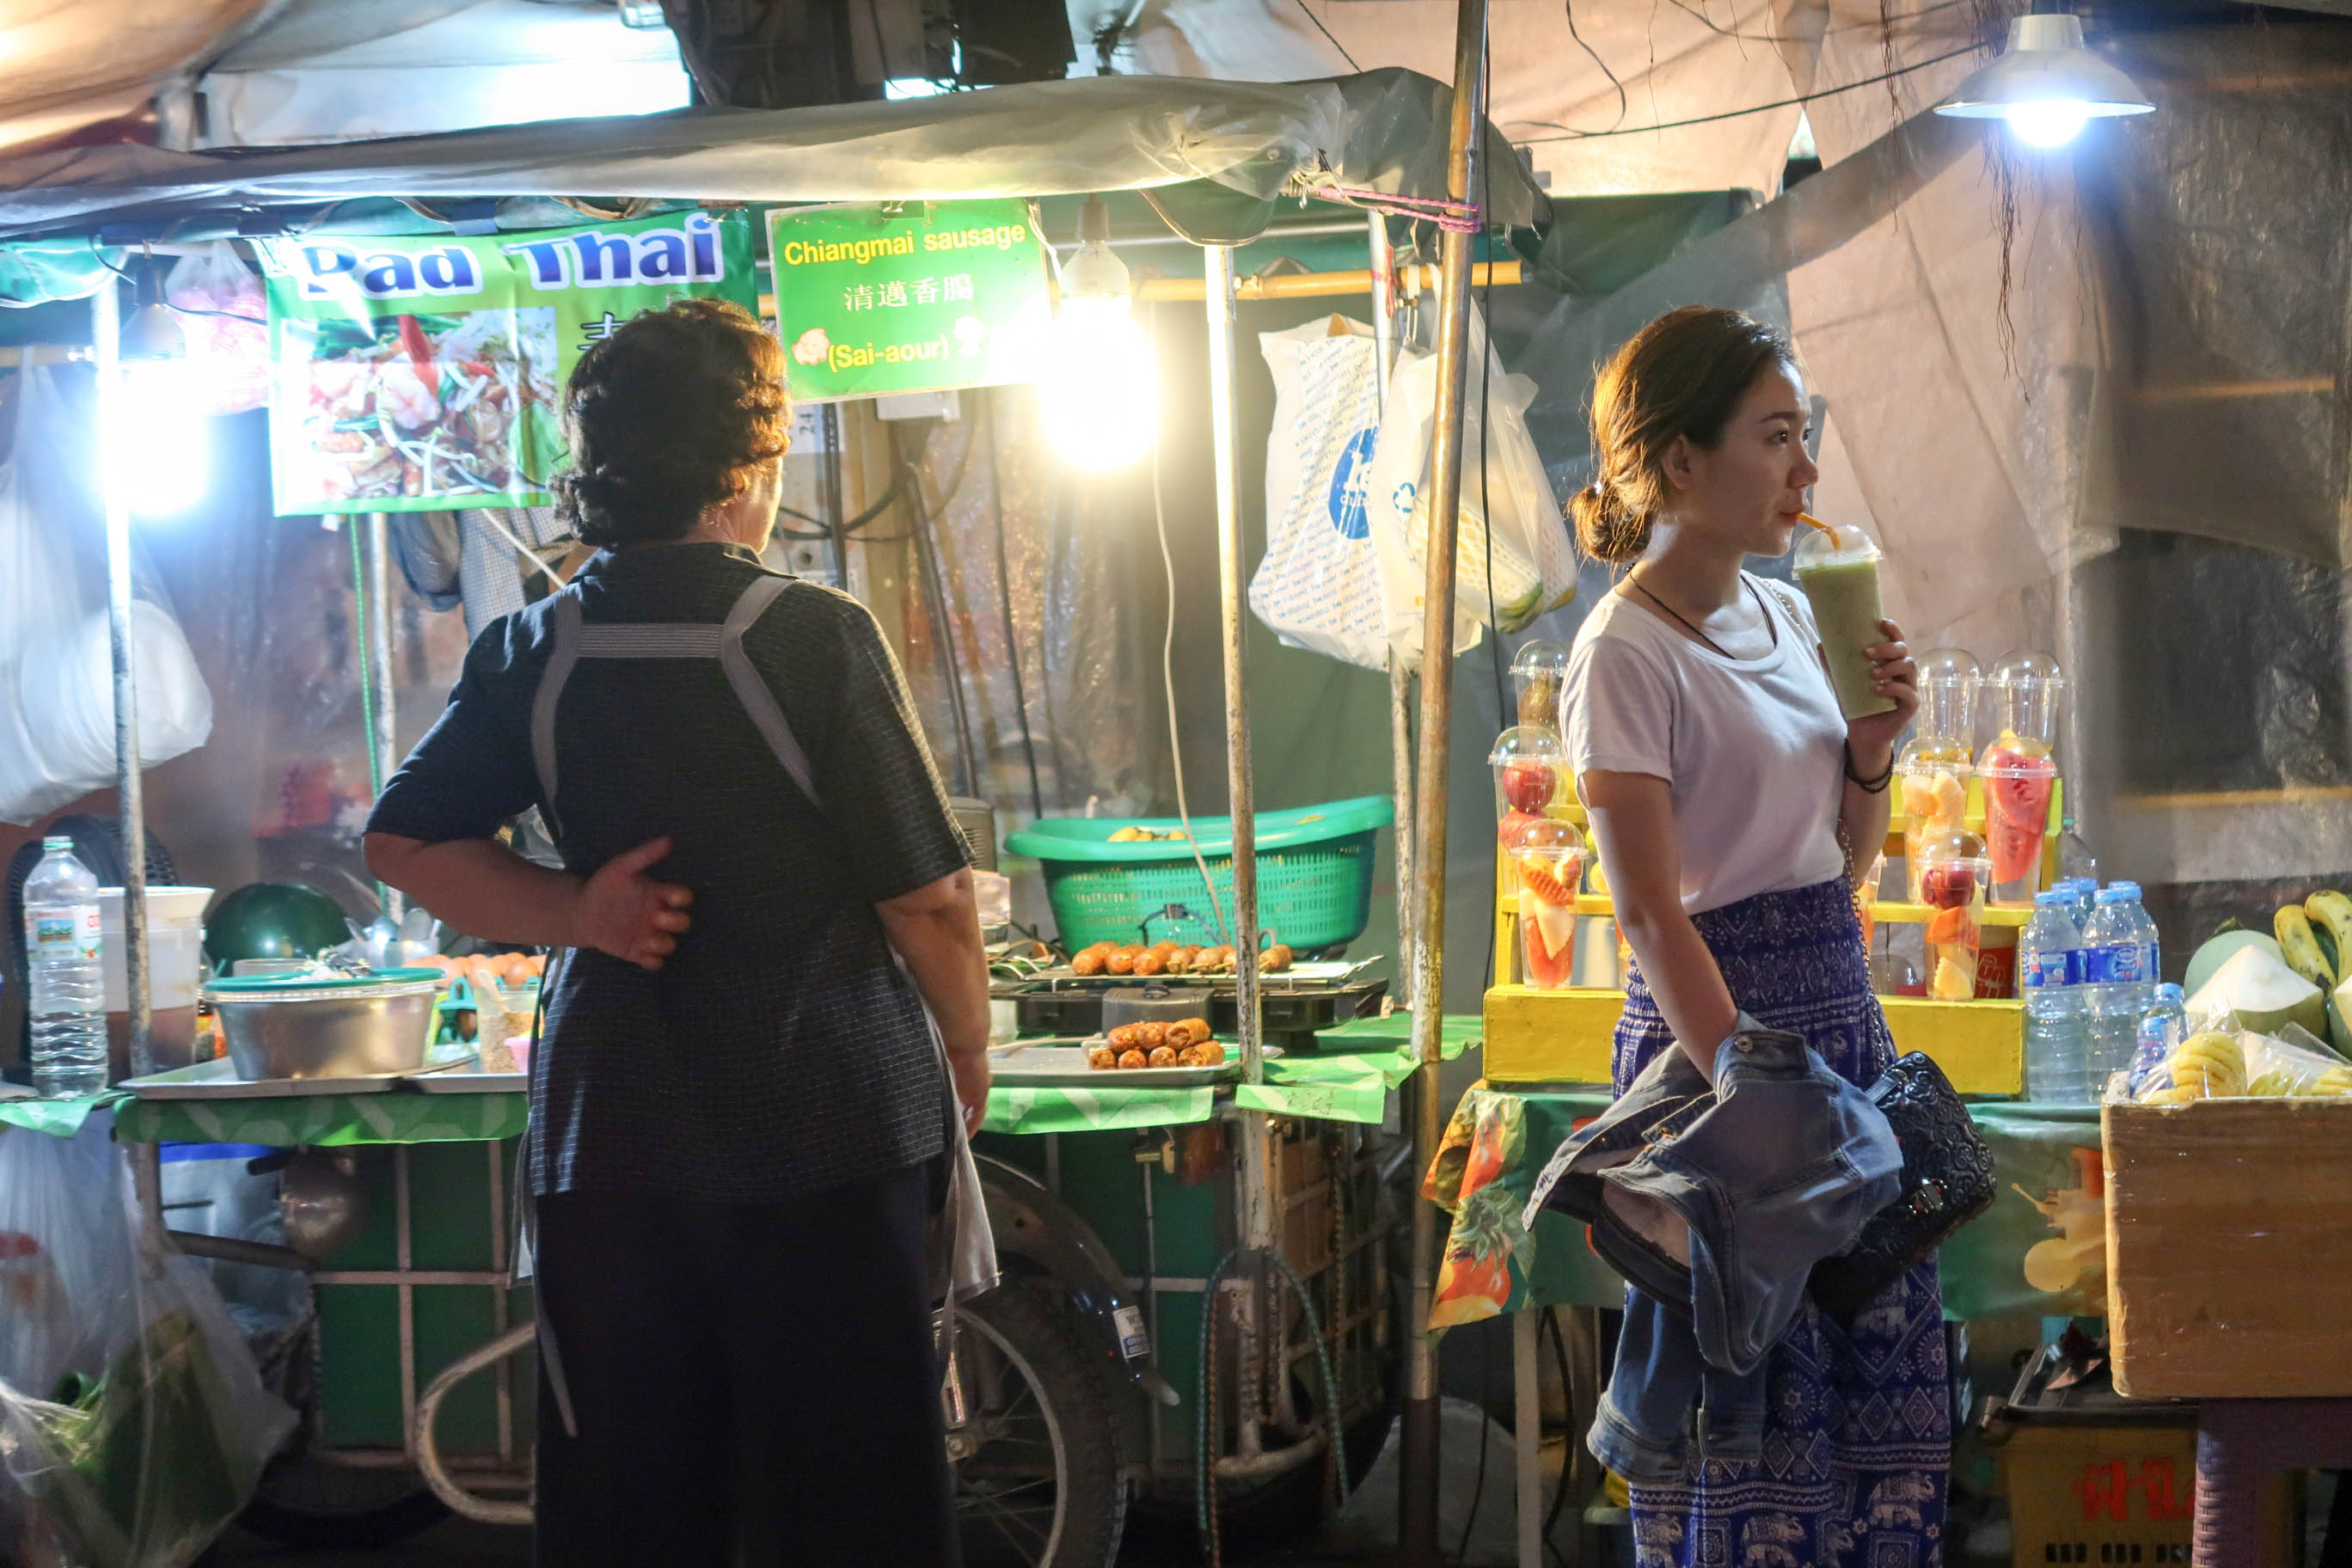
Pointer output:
1564, 1037
1886, 914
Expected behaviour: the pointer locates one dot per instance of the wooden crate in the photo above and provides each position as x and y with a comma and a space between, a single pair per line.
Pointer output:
2230, 1249
1563, 1037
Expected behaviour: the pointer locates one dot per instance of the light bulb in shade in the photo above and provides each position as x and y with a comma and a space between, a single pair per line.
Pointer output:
1100, 393
163, 445
2051, 123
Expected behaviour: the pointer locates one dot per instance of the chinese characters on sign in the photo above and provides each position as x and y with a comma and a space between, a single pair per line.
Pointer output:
875, 301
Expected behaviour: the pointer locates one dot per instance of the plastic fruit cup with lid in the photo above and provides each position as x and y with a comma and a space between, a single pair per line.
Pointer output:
1954, 878
1938, 761
1538, 672
1531, 777
2019, 772
1548, 861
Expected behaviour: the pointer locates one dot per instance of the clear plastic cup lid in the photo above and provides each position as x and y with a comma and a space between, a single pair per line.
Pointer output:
1947, 664
1848, 544
1951, 845
1541, 656
1550, 836
1535, 743
2026, 670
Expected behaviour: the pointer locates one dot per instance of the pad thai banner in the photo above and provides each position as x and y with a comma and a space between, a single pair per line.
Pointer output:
424, 373
874, 300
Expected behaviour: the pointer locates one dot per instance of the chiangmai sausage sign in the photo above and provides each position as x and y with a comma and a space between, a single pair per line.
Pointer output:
424, 373
874, 300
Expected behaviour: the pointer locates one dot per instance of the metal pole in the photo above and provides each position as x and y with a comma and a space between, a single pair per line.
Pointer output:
1417, 1500
1384, 352
1256, 1189
105, 334
376, 616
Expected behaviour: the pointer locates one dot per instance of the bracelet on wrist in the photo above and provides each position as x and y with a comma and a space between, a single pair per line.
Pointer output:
1875, 784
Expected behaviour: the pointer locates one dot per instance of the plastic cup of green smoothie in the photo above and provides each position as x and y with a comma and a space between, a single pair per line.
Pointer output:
1840, 577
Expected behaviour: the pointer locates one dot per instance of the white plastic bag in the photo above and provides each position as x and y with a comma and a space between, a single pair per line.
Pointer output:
1318, 586
57, 679
149, 1426
1533, 561
225, 319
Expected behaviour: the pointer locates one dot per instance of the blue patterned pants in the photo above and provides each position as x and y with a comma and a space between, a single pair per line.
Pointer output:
1858, 1435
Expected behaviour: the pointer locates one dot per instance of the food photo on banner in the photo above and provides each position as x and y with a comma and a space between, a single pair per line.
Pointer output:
422, 373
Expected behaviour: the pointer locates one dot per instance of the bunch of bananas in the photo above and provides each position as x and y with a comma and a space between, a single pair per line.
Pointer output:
2315, 937
2207, 1065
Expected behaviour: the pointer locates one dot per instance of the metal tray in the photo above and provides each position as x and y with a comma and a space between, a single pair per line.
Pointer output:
1321, 971
1064, 1065
467, 1077
217, 1079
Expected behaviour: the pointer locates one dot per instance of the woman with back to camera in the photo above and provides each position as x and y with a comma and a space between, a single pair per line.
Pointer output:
1724, 784
737, 1111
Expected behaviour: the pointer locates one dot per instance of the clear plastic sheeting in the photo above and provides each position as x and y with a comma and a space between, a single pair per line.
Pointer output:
132, 1424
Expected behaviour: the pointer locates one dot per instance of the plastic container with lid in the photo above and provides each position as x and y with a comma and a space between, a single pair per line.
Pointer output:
1531, 777
1838, 570
1540, 673
1938, 761
2020, 769
1546, 862
1953, 878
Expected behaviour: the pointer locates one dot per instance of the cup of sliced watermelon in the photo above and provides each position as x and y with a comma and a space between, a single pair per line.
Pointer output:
1547, 862
2020, 777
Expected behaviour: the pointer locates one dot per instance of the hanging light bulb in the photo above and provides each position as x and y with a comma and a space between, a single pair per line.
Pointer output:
161, 463
1101, 388
2046, 84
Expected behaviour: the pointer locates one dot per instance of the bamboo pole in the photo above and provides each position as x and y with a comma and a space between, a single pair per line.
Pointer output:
1417, 1498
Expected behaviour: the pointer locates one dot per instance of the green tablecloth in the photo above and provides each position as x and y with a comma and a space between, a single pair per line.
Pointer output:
1350, 1080
1498, 1140
57, 1117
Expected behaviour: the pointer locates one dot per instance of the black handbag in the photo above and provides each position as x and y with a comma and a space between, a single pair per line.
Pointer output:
1946, 1181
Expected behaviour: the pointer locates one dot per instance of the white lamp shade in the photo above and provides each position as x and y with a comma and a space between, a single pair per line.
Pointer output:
2045, 66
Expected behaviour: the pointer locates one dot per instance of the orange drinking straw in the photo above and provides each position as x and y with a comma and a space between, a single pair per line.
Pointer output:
1811, 521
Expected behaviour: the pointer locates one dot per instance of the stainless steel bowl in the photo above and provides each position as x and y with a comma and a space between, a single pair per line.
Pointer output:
339, 1029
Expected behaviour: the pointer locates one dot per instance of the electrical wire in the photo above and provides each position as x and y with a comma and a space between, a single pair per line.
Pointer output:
1568, 1449
1568, 135
1205, 1478
1486, 1419
1569, 7
1005, 597
360, 629
934, 587
1168, 684
1326, 34
99, 257
1485, 509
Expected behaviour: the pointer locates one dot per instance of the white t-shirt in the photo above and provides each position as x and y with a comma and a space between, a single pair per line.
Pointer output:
1754, 749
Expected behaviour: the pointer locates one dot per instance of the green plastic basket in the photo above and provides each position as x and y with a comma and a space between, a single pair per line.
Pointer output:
1314, 874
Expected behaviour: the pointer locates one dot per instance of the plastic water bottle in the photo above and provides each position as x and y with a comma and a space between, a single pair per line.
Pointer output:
2151, 945
2117, 984
2081, 894
2049, 977
2075, 861
2161, 1029
67, 994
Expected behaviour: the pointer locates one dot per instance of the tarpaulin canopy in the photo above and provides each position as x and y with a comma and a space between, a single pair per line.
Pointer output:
1382, 130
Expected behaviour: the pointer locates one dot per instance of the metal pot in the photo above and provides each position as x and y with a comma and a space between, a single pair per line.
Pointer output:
300, 1027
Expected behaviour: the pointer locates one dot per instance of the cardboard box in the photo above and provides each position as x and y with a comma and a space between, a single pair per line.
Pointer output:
2230, 1249
2115, 1494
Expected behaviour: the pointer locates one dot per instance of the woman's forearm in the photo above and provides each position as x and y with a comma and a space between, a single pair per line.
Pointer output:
1864, 815
1683, 979
480, 886
936, 930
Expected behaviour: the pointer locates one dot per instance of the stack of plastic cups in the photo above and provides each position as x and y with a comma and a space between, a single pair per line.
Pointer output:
1540, 673
2019, 771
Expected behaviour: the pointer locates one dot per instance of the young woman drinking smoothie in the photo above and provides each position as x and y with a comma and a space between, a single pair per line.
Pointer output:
1724, 786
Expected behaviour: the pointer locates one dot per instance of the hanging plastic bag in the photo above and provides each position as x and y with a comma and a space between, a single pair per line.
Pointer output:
151, 1427
1318, 586
226, 319
1513, 542
57, 669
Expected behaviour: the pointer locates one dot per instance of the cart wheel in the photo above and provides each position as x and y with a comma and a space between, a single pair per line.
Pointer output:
1036, 1455
308, 1502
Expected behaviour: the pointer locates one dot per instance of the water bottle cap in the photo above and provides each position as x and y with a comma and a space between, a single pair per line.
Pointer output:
58, 843
2118, 893
2055, 898
2168, 992
2132, 888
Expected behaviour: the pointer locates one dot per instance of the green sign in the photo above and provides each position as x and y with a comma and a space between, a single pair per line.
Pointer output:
873, 301
424, 372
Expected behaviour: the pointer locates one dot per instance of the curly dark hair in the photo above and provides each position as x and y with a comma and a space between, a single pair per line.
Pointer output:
677, 411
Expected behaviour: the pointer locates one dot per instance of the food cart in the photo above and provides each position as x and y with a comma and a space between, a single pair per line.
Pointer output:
1095, 1372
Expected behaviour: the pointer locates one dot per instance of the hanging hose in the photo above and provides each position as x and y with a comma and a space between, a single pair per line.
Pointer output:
1204, 1474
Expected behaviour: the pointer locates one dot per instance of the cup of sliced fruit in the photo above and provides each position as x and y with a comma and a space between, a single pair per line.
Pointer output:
1531, 777
1548, 863
1954, 876
1935, 796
